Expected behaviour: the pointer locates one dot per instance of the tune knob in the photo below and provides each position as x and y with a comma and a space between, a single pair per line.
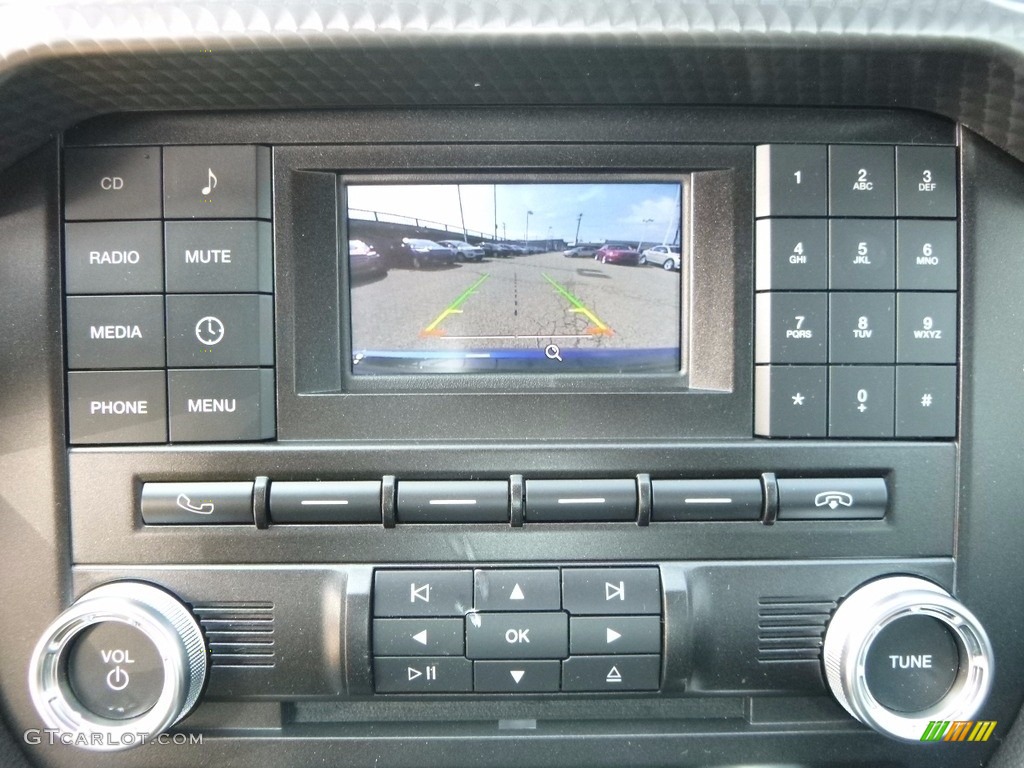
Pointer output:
901, 652
125, 662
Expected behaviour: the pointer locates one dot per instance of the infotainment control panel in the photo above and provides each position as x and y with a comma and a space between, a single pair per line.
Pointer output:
539, 422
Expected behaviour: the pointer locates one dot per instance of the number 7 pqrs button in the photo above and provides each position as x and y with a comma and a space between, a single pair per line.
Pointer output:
791, 328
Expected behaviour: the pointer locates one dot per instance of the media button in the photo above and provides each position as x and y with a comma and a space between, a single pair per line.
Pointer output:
422, 593
115, 332
111, 407
221, 405
517, 635
605, 591
114, 257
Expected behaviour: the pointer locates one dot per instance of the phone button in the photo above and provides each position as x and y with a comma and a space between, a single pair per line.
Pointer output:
197, 504
851, 498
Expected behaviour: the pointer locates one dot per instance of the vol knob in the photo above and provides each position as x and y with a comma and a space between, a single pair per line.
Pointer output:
901, 652
125, 662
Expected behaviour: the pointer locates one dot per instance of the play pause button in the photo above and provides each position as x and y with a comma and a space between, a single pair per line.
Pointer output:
421, 674
516, 676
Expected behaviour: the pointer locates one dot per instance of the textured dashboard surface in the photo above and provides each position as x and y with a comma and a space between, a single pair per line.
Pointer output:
62, 62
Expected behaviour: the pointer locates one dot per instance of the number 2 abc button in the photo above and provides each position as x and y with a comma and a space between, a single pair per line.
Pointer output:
517, 635
422, 593
792, 328
220, 330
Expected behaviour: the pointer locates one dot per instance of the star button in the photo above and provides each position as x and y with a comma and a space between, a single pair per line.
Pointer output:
798, 399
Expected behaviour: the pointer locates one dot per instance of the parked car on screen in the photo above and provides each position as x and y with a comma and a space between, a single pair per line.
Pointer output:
364, 261
667, 256
464, 250
580, 250
421, 253
617, 254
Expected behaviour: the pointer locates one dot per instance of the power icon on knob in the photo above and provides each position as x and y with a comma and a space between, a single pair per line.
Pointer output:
117, 679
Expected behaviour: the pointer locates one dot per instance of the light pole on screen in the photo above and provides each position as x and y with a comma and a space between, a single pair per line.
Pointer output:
644, 235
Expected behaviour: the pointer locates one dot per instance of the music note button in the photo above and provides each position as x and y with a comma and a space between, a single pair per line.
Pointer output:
217, 182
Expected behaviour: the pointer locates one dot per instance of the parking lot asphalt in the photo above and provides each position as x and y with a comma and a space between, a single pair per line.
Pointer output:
520, 302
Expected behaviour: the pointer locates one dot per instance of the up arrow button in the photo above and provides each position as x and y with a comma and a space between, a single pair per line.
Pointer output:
517, 590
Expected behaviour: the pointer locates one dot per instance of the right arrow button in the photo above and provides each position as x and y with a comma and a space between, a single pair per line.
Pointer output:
614, 634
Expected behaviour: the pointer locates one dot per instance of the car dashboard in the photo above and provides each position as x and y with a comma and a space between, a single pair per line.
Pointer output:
519, 384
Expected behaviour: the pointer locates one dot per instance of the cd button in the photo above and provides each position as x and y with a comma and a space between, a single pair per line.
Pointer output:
685, 500
517, 635
422, 593
112, 183
553, 501
604, 591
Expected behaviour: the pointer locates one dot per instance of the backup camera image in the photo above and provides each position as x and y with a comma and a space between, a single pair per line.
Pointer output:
539, 278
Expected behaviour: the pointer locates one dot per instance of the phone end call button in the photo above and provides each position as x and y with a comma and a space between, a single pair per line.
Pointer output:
851, 498
197, 504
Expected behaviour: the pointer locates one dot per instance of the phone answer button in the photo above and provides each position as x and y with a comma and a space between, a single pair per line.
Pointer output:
851, 498
197, 503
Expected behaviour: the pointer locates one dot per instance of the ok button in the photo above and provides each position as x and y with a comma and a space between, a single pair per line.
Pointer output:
517, 635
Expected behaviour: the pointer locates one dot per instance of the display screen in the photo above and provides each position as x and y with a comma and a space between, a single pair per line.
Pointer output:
534, 278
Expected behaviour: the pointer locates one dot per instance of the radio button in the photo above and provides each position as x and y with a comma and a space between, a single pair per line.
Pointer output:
926, 401
114, 257
606, 591
217, 182
556, 501
107, 407
611, 673
418, 637
862, 401
926, 328
115, 332
516, 676
112, 183
614, 634
791, 180
862, 255
197, 504
422, 593
219, 256
862, 181
689, 500
792, 255
791, 328
221, 405
517, 635
457, 501
423, 674
926, 181
353, 501
517, 590
864, 498
790, 400
862, 328
926, 256
220, 330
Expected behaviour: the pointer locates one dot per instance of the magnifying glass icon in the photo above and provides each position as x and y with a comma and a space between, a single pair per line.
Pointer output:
552, 352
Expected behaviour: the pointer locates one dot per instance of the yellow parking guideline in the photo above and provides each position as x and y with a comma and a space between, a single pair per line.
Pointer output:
452, 309
599, 329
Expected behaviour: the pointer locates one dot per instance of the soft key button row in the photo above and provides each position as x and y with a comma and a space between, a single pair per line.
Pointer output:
856, 278
169, 277
539, 630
